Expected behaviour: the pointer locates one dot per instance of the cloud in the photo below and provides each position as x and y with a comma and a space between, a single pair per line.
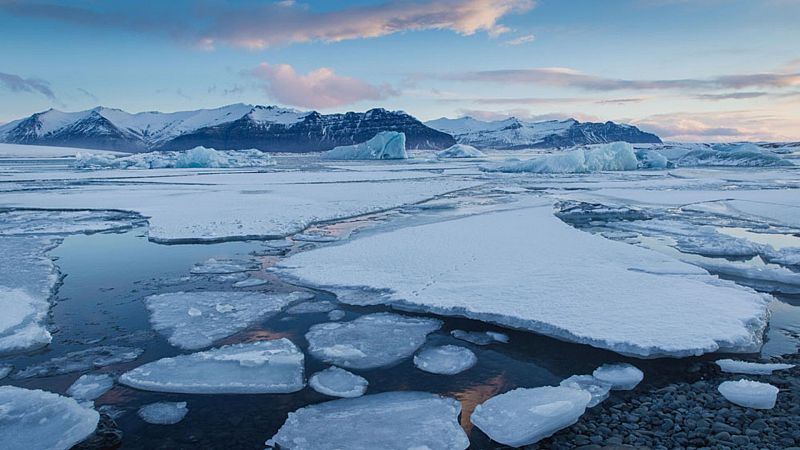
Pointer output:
265, 25
320, 88
521, 40
725, 126
16, 83
526, 115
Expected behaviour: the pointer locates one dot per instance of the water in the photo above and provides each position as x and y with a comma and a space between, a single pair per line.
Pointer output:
107, 275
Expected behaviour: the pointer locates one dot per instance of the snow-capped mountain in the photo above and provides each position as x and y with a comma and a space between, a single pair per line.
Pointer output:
513, 133
238, 126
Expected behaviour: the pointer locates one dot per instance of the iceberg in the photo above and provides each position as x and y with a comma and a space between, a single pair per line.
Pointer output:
445, 359
91, 358
195, 158
621, 376
479, 337
523, 284
163, 413
598, 389
261, 367
750, 368
385, 145
194, 320
460, 151
373, 340
607, 157
738, 155
750, 394
89, 387
338, 382
387, 421
525, 416
34, 418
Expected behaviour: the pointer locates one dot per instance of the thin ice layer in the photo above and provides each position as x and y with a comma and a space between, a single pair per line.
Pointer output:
374, 340
261, 367
94, 357
163, 413
445, 359
387, 421
90, 386
194, 320
38, 419
534, 272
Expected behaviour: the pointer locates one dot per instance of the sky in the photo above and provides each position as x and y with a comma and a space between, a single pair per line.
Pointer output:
688, 70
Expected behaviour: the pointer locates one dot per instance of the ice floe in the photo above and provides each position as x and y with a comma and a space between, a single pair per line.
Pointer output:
750, 368
384, 145
194, 320
250, 282
163, 413
5, 370
198, 157
750, 394
252, 368
558, 281
373, 340
621, 376
598, 389
312, 307
525, 416
607, 157
460, 151
77, 361
445, 359
215, 266
336, 314
338, 382
40, 222
479, 337
90, 386
38, 419
387, 421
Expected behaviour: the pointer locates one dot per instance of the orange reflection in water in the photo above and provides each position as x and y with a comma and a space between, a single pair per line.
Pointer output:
477, 394
254, 336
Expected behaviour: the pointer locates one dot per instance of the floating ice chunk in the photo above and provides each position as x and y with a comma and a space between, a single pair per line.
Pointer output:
750, 368
193, 320
253, 368
94, 357
312, 308
250, 282
524, 416
651, 159
374, 340
607, 157
621, 376
772, 279
338, 382
198, 157
479, 337
385, 145
89, 387
387, 421
336, 314
460, 151
163, 413
598, 389
445, 360
224, 266
750, 394
4, 371
38, 419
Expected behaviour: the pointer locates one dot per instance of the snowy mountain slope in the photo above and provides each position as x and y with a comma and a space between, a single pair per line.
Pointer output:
513, 133
237, 126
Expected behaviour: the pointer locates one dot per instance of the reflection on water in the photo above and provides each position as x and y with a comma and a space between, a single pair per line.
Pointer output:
477, 394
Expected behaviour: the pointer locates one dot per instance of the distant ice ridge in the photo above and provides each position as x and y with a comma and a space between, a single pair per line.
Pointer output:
750, 394
198, 157
607, 157
163, 413
338, 382
525, 416
388, 421
385, 145
460, 151
750, 368
737, 155
260, 367
523, 284
38, 419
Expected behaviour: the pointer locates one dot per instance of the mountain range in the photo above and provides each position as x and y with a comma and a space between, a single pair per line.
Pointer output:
276, 129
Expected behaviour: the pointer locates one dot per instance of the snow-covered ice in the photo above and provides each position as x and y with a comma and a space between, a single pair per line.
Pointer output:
598, 389
387, 421
524, 416
260, 367
38, 419
607, 157
621, 376
90, 386
558, 281
338, 382
750, 394
445, 359
750, 368
215, 266
460, 151
479, 337
373, 340
163, 413
384, 145
194, 320
94, 357
198, 157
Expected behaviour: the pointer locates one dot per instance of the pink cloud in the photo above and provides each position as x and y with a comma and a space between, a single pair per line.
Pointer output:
728, 126
320, 88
